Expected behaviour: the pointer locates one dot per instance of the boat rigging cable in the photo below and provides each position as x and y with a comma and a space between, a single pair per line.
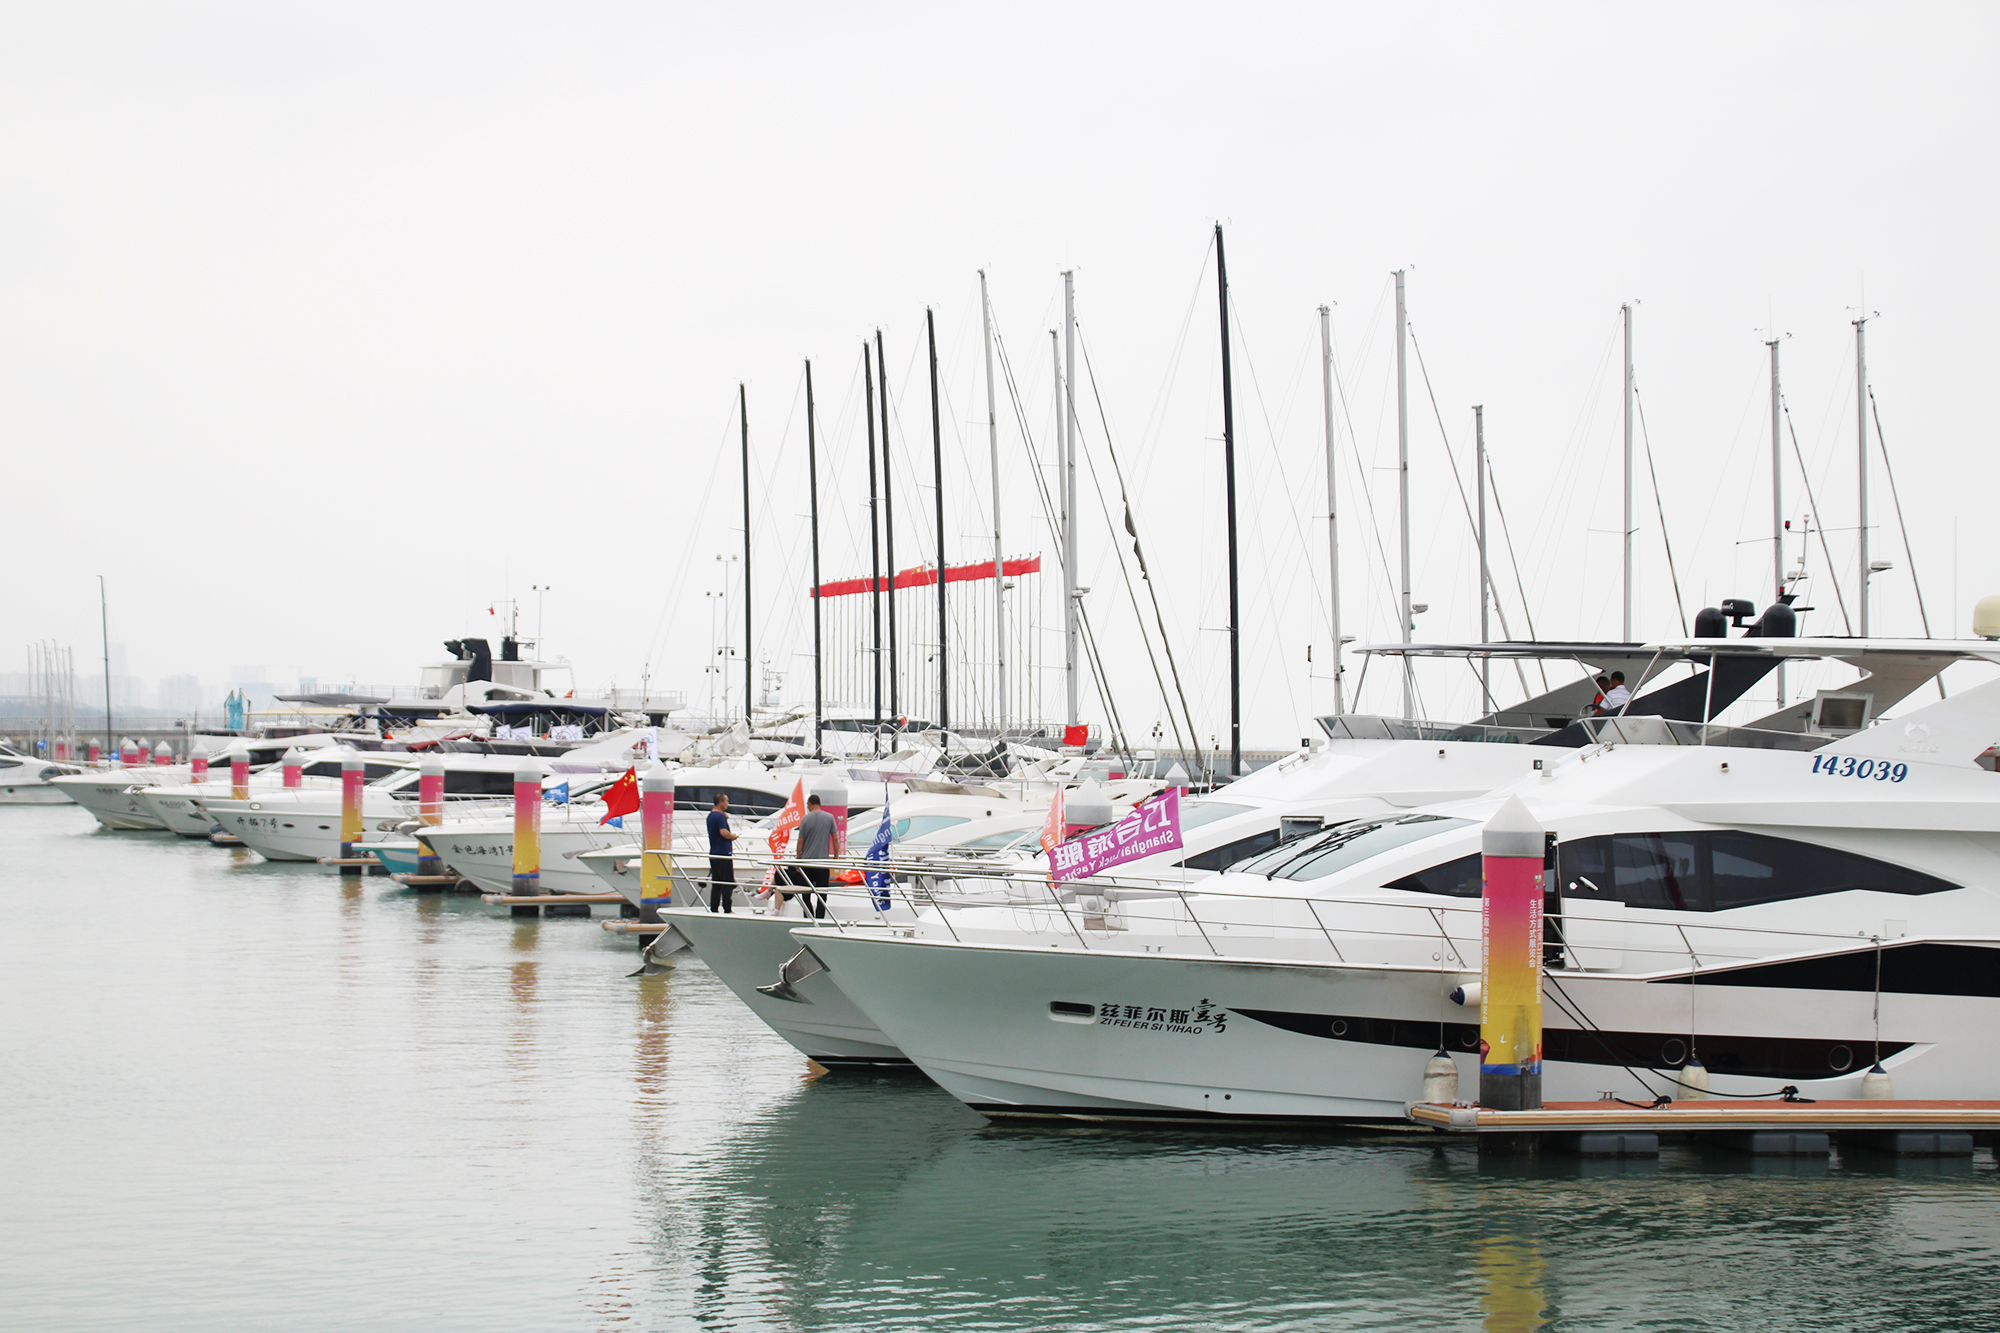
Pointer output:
1659, 507
1812, 503
1131, 527
1464, 503
1896, 496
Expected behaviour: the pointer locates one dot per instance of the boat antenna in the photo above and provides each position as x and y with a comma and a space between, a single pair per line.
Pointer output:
937, 474
1229, 502
749, 663
874, 536
812, 492
1777, 500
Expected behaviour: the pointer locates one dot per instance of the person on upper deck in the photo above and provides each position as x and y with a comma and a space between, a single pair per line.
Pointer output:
1616, 697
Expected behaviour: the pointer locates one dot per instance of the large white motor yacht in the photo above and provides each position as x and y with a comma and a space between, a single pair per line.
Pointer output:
26, 780
1778, 917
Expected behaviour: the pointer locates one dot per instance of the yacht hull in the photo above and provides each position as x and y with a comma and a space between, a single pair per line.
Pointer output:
1016, 1031
33, 793
114, 801
746, 951
484, 854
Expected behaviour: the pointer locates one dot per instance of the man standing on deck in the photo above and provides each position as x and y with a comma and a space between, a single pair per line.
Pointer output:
721, 858
815, 844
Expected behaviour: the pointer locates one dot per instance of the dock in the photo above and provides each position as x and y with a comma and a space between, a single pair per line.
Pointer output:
1797, 1128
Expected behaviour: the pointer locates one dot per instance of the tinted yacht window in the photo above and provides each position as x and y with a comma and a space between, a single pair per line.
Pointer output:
1463, 878
1350, 844
1720, 870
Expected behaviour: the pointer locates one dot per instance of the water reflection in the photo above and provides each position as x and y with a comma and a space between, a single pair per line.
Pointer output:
880, 1203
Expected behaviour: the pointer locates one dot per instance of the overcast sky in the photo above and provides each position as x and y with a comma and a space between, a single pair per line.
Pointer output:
328, 325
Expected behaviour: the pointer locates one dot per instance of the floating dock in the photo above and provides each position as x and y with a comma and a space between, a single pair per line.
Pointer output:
1763, 1128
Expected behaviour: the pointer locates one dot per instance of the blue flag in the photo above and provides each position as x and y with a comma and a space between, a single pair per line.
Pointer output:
558, 794
878, 850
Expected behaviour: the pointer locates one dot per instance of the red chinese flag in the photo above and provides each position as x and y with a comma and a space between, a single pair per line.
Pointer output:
621, 797
1076, 735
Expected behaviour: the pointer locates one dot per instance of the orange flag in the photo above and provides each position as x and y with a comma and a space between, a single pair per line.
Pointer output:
1053, 828
781, 832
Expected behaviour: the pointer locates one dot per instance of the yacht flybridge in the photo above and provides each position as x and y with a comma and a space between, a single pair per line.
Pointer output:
1687, 851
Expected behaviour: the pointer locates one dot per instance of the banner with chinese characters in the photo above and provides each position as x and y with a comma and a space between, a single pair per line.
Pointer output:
1152, 827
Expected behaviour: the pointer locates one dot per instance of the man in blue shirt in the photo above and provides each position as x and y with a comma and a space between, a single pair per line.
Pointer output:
721, 858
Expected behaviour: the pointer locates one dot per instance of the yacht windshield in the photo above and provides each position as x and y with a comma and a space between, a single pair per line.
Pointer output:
1350, 844
1196, 813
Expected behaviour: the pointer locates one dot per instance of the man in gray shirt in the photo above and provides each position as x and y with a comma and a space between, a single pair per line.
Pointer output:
816, 832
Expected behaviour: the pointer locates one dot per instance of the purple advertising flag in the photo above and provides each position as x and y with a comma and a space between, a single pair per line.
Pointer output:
1153, 826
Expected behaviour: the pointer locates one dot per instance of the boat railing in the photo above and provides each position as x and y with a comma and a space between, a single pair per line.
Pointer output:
1110, 913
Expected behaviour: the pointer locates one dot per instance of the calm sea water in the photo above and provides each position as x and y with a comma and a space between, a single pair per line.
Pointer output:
237, 1095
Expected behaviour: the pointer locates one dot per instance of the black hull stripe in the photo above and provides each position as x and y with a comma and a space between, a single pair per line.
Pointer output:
1750, 1057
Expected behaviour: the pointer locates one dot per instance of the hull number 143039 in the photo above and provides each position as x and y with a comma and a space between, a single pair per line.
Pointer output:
1866, 770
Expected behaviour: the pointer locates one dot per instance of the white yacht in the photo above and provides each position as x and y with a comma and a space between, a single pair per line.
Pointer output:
303, 824
1369, 766
112, 795
1778, 916
26, 780
178, 805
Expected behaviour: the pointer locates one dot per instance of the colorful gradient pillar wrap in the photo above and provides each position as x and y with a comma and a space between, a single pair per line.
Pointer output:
353, 776
430, 812
1510, 1017
94, 753
293, 768
145, 754
199, 765
528, 831
656, 840
163, 756
128, 755
239, 777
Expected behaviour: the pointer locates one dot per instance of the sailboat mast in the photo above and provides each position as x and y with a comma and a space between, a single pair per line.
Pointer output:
1066, 480
104, 623
937, 475
812, 493
888, 528
1777, 505
999, 558
1403, 484
1229, 501
749, 664
1485, 574
874, 537
1861, 422
1627, 529
1332, 507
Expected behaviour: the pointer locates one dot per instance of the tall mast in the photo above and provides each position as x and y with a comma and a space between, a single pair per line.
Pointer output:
937, 475
999, 558
812, 492
1066, 480
874, 536
888, 528
1403, 482
1627, 309
1485, 576
1777, 504
1229, 500
749, 664
1332, 508
104, 622
1861, 420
